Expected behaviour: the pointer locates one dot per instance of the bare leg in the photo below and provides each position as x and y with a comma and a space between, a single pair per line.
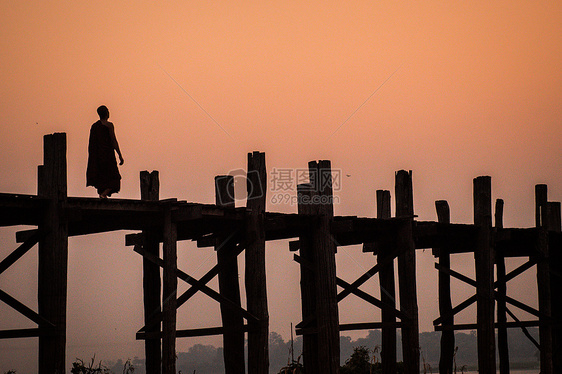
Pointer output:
105, 193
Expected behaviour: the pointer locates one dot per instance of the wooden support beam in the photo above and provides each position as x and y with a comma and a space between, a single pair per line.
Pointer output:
255, 280
555, 261
446, 357
407, 273
24, 310
388, 291
150, 191
484, 259
460, 307
307, 283
543, 280
227, 262
324, 263
169, 294
53, 255
501, 284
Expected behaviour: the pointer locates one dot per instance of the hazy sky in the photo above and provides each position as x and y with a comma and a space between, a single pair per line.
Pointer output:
468, 89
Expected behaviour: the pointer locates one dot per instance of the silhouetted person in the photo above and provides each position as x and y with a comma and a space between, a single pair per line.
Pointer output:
102, 172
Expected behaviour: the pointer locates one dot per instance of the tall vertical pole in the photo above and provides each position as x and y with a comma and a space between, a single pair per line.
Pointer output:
150, 189
256, 290
53, 255
445, 304
308, 283
407, 273
543, 280
227, 260
554, 224
388, 292
169, 295
503, 348
324, 263
484, 259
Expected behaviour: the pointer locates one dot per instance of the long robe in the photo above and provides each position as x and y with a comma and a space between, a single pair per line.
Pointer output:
102, 171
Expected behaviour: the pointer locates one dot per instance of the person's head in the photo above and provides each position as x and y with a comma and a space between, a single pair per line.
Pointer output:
103, 112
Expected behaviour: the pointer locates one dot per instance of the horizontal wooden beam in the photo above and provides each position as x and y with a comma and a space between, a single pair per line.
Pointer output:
473, 326
188, 333
24, 333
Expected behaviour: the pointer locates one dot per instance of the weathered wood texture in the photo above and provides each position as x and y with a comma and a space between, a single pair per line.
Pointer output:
227, 261
387, 290
543, 279
307, 284
169, 294
407, 272
53, 255
150, 191
484, 260
503, 349
324, 264
446, 357
256, 293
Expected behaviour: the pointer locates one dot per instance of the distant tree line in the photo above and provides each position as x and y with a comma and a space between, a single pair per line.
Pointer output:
207, 359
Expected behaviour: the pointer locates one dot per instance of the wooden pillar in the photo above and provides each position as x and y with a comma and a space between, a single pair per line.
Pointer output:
388, 292
53, 255
445, 304
256, 290
555, 252
407, 273
484, 259
150, 189
324, 264
308, 290
169, 295
503, 348
227, 260
543, 280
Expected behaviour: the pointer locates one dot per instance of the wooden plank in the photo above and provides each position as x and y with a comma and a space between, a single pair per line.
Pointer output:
447, 354
53, 254
407, 273
501, 284
227, 261
387, 290
460, 307
150, 191
484, 259
255, 279
455, 274
169, 294
22, 333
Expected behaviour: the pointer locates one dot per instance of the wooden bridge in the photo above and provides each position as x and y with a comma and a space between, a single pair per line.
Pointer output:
316, 233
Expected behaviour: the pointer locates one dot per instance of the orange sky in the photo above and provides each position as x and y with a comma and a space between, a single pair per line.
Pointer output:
193, 86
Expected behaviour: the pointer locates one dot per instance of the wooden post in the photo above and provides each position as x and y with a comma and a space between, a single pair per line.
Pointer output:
53, 255
150, 189
227, 260
445, 304
256, 291
169, 295
503, 348
407, 273
308, 290
388, 292
554, 224
484, 259
324, 263
543, 280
